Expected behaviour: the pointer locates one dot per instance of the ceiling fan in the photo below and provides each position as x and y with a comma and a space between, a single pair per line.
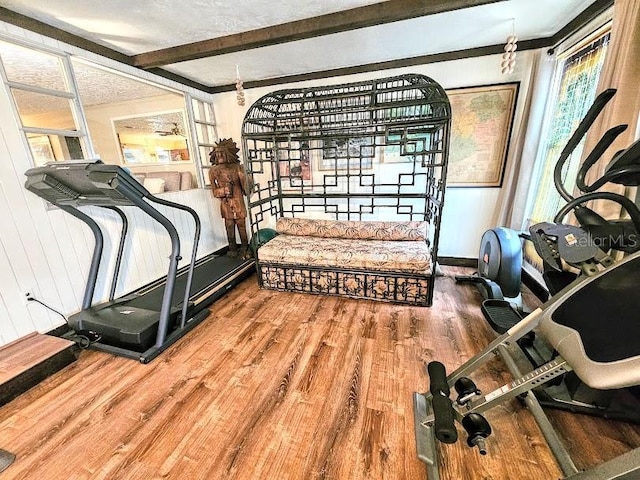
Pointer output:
175, 130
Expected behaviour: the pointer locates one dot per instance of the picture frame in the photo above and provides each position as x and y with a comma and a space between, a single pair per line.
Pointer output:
133, 154
295, 172
352, 153
179, 154
482, 122
41, 149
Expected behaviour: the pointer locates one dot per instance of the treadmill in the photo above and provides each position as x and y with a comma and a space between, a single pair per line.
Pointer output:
141, 324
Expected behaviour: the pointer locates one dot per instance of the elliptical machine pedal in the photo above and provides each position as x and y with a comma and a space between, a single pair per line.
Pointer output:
500, 314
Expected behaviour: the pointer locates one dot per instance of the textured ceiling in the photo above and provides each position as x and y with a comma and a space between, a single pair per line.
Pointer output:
138, 26
162, 124
147, 25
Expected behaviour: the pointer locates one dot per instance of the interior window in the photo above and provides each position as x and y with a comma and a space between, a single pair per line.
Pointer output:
135, 124
153, 138
47, 106
70, 108
206, 134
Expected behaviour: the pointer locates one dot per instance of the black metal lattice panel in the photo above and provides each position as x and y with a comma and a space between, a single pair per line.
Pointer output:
397, 288
356, 108
374, 150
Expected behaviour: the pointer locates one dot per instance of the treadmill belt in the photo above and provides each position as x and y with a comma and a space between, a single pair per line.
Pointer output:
204, 275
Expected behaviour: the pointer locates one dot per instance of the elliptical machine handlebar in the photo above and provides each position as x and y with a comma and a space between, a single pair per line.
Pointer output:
598, 104
614, 176
604, 143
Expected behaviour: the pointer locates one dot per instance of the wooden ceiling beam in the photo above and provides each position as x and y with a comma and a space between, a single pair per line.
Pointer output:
360, 17
387, 65
586, 16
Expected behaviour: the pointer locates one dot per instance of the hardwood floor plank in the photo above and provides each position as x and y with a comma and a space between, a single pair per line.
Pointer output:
286, 386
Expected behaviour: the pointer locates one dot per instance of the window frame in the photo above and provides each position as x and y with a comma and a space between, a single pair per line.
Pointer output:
81, 128
538, 173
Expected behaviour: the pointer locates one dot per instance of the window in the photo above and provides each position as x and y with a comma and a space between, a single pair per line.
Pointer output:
206, 136
578, 80
70, 108
47, 103
133, 122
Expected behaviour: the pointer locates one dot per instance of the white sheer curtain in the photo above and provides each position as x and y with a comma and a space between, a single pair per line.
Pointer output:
515, 189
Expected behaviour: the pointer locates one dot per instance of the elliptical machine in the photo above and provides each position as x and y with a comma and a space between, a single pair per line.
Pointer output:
591, 325
586, 254
584, 248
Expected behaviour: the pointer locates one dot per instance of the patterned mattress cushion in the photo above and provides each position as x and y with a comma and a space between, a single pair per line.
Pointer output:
373, 255
353, 229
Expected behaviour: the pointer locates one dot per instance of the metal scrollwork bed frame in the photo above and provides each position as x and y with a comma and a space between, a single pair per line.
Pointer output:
371, 150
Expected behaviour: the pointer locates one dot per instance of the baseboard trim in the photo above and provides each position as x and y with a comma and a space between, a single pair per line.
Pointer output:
458, 261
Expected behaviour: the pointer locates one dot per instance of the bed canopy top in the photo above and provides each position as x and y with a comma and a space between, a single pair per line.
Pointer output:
363, 108
370, 150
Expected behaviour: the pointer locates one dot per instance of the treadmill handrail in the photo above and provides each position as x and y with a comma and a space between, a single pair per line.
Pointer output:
123, 237
194, 250
90, 287
165, 309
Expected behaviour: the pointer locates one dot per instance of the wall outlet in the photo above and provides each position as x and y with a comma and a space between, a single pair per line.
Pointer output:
26, 295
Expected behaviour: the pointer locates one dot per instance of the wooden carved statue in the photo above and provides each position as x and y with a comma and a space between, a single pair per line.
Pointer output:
229, 183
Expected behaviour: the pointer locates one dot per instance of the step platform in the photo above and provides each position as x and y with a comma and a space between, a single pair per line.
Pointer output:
27, 361
500, 315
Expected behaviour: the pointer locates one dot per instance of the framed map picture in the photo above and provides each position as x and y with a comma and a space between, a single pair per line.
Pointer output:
482, 119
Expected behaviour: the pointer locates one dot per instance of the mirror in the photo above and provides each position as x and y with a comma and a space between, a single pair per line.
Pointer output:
152, 138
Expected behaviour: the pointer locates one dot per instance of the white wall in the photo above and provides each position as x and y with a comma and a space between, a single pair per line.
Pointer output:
48, 252
468, 212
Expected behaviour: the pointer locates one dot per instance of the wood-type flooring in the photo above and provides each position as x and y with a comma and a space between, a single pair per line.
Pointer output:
285, 386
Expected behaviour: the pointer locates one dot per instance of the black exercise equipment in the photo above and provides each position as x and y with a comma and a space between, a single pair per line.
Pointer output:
624, 169
600, 236
145, 322
595, 234
583, 248
592, 325
499, 265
